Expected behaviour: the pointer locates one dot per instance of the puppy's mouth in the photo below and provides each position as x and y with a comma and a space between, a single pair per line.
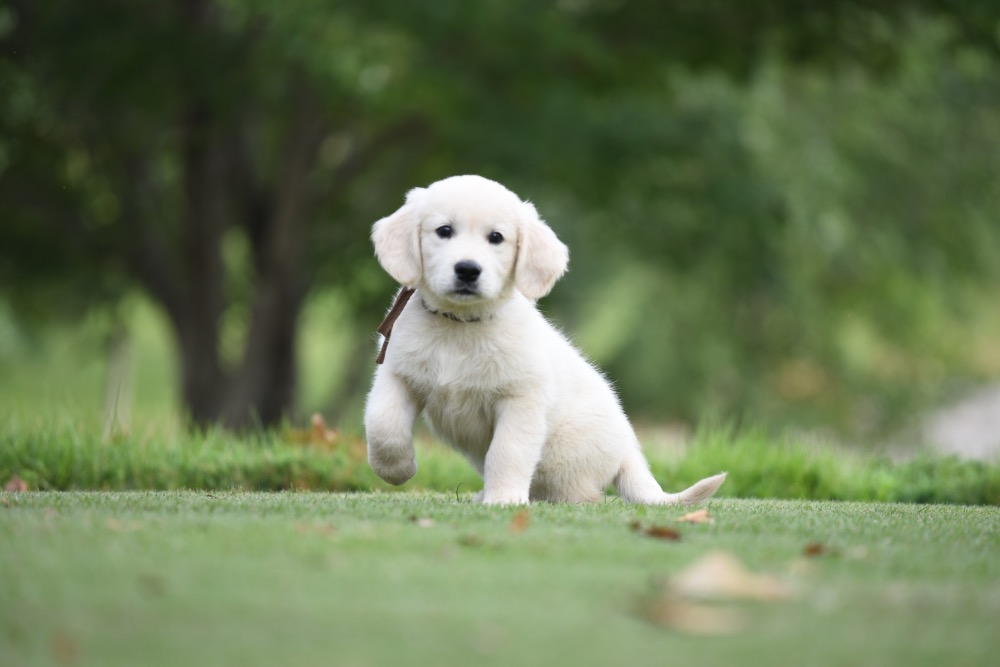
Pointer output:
465, 290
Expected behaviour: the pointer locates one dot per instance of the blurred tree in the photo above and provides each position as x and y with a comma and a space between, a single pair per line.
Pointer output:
229, 155
150, 144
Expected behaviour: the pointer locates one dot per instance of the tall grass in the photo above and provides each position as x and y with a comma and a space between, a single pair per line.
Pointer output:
71, 454
762, 466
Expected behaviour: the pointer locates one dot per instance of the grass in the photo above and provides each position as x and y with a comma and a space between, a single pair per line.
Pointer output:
71, 454
306, 578
221, 574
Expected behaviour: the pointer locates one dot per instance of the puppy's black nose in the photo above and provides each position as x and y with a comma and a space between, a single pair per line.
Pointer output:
468, 271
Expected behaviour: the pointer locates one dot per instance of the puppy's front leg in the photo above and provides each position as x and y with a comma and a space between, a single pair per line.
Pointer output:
514, 452
389, 415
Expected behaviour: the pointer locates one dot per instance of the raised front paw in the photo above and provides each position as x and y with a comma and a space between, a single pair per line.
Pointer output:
393, 469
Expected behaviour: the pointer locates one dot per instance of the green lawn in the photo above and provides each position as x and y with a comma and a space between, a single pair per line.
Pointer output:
308, 578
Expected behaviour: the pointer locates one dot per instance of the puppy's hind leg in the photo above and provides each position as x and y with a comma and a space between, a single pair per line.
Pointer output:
636, 484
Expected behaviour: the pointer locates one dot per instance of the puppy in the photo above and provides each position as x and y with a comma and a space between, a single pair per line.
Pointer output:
493, 378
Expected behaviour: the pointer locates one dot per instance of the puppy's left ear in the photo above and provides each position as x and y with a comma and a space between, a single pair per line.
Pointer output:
541, 257
397, 241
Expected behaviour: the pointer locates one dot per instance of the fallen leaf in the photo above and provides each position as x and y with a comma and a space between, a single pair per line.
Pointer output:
64, 648
636, 526
691, 618
814, 549
16, 484
700, 600
720, 576
320, 431
698, 516
519, 523
663, 533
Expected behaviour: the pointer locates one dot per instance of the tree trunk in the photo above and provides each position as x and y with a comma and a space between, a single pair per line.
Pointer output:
203, 271
262, 391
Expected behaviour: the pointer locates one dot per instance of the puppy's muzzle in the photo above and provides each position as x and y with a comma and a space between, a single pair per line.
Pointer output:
466, 275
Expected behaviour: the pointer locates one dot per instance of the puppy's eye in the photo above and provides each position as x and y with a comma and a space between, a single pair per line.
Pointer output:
495, 238
445, 231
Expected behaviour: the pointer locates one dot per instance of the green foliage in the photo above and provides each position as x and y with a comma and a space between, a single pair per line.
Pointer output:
775, 214
765, 467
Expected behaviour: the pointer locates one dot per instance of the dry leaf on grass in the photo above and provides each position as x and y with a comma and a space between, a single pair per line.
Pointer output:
663, 533
696, 601
519, 522
814, 549
320, 432
698, 516
720, 576
65, 648
658, 532
675, 613
16, 484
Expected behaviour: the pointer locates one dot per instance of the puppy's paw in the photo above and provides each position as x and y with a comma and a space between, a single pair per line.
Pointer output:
503, 498
395, 470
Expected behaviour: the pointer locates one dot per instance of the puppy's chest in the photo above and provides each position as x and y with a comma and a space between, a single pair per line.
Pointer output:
459, 375
458, 365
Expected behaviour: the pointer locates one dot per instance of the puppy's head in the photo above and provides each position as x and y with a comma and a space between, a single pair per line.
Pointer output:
468, 241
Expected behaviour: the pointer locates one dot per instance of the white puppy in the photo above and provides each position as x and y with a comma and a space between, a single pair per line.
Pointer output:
492, 376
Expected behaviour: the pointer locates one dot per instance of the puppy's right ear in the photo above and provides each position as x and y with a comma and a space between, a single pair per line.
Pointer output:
541, 257
397, 241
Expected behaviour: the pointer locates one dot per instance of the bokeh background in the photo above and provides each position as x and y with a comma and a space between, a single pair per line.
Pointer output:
780, 214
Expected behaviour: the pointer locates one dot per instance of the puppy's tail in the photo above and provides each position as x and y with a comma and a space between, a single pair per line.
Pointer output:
697, 493
636, 484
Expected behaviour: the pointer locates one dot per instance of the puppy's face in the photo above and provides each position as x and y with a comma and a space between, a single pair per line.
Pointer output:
468, 246
467, 241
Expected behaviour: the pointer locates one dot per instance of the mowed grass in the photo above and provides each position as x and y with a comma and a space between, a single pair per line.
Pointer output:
312, 578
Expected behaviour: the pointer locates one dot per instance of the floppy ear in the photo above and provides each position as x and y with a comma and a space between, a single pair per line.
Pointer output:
397, 241
541, 257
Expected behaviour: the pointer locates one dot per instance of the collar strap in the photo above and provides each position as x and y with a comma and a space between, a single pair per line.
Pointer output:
397, 309
451, 316
390, 319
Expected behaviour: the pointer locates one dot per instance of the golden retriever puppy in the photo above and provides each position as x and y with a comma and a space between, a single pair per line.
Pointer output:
492, 376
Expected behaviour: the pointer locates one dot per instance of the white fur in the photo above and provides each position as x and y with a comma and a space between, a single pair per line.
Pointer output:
502, 386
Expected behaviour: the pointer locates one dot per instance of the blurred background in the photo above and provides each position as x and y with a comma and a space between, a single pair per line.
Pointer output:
781, 214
